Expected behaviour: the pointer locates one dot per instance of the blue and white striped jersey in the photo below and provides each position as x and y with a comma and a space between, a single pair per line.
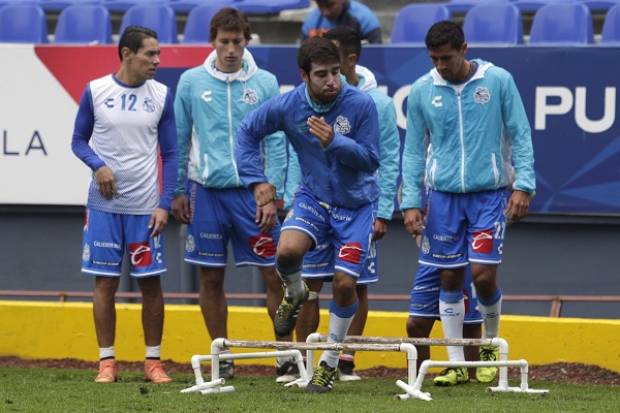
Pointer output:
124, 126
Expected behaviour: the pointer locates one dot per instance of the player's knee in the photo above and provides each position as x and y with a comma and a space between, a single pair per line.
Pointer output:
107, 286
212, 280
288, 259
343, 282
418, 327
485, 282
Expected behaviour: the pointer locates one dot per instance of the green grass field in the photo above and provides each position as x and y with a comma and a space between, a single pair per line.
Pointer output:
58, 390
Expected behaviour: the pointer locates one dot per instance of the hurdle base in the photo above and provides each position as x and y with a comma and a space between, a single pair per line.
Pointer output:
219, 389
412, 392
500, 389
214, 384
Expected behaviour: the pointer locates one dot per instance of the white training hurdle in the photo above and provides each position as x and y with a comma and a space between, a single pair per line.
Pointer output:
412, 388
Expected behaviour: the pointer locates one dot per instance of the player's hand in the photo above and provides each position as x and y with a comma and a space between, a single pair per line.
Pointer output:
106, 182
322, 130
379, 229
414, 221
266, 216
181, 209
518, 204
159, 219
264, 193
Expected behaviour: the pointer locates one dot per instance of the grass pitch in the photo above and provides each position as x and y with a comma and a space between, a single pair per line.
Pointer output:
59, 390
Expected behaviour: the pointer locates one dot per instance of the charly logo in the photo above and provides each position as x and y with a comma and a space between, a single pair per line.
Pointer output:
207, 96
148, 105
437, 101
86, 253
426, 245
250, 96
482, 95
109, 102
342, 125
190, 243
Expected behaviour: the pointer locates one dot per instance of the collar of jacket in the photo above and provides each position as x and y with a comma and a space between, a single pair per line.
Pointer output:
482, 68
248, 68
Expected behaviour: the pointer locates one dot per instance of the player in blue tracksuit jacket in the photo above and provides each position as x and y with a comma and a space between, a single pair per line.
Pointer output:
334, 130
318, 265
472, 116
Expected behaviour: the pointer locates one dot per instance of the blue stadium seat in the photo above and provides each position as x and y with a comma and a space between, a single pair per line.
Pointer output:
186, 5
462, 6
124, 5
58, 5
270, 6
86, 23
600, 5
413, 21
23, 23
531, 6
562, 24
198, 20
158, 17
611, 28
493, 23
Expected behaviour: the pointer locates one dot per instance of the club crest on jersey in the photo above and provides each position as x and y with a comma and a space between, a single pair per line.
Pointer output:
86, 253
482, 95
148, 105
342, 125
426, 245
190, 244
250, 96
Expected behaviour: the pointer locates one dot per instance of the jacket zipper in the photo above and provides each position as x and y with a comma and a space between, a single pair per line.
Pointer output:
462, 137
230, 131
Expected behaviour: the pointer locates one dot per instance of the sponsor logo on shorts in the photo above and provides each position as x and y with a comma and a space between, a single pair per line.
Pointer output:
263, 245
351, 252
443, 237
140, 254
312, 210
342, 217
308, 223
107, 244
482, 241
447, 256
86, 253
190, 244
210, 235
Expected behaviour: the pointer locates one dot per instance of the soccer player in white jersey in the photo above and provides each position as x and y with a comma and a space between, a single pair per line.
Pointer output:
125, 117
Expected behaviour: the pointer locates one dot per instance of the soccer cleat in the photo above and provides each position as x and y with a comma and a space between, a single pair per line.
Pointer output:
452, 377
323, 379
107, 371
154, 372
345, 371
287, 372
227, 369
487, 374
286, 314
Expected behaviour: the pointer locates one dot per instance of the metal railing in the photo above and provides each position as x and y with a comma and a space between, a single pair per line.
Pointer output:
555, 310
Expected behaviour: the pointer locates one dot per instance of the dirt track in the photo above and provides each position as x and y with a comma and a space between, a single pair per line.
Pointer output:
557, 372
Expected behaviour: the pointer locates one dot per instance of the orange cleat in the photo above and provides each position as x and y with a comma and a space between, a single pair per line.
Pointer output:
154, 372
107, 371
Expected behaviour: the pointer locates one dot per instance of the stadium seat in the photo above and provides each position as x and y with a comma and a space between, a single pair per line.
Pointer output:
413, 21
197, 26
493, 23
158, 17
23, 23
58, 5
600, 5
271, 6
531, 6
611, 28
124, 5
185, 6
87, 23
562, 24
462, 6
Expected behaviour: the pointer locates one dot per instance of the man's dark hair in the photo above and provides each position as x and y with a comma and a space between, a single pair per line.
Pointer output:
232, 20
445, 32
132, 39
316, 50
348, 39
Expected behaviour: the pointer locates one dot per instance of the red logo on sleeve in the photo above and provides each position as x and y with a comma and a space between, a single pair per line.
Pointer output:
482, 241
140, 254
263, 245
351, 252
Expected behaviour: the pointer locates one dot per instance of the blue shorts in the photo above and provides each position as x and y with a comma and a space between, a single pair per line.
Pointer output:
462, 228
425, 295
341, 236
106, 238
222, 214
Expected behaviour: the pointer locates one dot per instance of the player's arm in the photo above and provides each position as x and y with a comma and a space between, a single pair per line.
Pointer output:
389, 150
255, 126
275, 150
520, 133
184, 124
293, 177
413, 165
361, 153
82, 131
167, 138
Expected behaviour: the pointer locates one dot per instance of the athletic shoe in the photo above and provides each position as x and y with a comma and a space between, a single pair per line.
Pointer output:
287, 372
345, 371
227, 369
487, 374
452, 377
286, 315
154, 372
322, 379
107, 371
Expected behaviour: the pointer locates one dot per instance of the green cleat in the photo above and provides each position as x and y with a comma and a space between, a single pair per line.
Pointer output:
286, 314
452, 377
487, 374
322, 379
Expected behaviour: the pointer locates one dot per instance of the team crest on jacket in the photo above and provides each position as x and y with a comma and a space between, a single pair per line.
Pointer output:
148, 105
482, 95
342, 125
250, 96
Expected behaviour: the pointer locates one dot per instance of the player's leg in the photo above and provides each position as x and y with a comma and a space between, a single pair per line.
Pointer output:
420, 327
102, 255
472, 330
308, 319
472, 327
